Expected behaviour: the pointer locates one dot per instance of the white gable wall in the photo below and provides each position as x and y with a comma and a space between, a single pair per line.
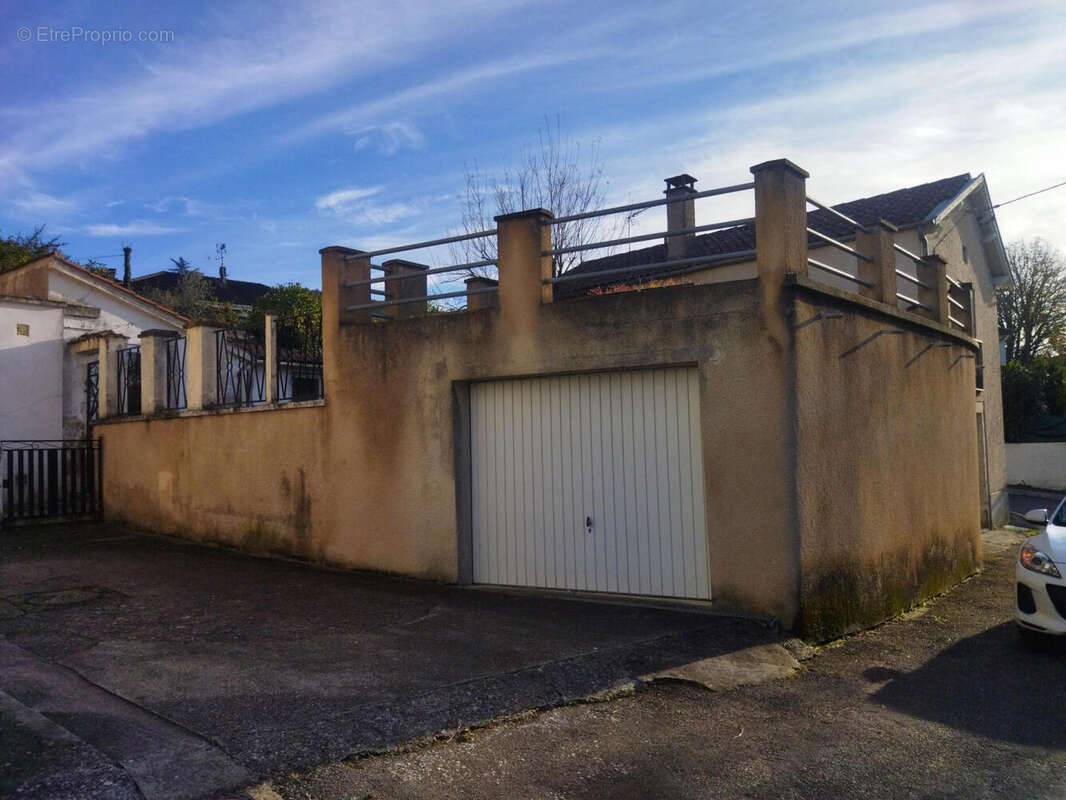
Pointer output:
117, 314
31, 371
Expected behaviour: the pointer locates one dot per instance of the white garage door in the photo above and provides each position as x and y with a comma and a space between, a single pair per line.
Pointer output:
591, 482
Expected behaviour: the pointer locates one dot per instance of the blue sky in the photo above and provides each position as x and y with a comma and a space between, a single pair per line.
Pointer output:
280, 128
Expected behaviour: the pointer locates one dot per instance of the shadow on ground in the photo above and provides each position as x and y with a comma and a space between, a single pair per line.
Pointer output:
1023, 704
279, 665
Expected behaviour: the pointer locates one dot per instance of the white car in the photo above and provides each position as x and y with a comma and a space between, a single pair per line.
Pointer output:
1041, 596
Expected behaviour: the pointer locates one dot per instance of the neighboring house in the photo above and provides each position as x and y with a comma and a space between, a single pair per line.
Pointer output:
53, 315
951, 217
225, 292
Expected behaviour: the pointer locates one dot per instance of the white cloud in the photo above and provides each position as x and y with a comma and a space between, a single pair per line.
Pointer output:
186, 206
41, 203
343, 201
389, 138
139, 227
353, 206
262, 56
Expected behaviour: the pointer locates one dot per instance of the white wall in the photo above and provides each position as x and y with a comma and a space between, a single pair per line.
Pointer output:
116, 313
31, 371
1041, 465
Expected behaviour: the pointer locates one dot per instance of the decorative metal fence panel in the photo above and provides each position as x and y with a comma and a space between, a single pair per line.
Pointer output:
176, 397
129, 381
299, 358
92, 392
241, 367
52, 479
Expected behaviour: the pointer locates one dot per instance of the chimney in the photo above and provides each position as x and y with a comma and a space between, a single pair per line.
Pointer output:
680, 214
127, 278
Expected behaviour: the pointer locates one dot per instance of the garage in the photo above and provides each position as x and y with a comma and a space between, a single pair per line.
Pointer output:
590, 482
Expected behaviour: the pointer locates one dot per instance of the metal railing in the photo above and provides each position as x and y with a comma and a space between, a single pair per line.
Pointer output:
176, 395
389, 275
838, 245
240, 367
740, 187
92, 392
42, 479
911, 302
129, 380
840, 273
662, 264
298, 351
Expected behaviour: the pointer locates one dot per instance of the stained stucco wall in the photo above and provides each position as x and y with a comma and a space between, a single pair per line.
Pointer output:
887, 480
859, 468
369, 480
961, 230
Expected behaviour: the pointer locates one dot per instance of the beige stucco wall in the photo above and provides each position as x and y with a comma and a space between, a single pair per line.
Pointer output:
29, 281
887, 483
369, 479
947, 240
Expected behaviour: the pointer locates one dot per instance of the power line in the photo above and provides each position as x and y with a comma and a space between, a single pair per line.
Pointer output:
1038, 191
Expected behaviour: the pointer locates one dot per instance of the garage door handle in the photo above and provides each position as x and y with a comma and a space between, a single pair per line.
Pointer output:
588, 524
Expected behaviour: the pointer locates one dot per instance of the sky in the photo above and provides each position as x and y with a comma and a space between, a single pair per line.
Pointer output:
281, 128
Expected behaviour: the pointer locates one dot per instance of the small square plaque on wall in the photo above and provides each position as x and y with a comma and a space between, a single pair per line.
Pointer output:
22, 329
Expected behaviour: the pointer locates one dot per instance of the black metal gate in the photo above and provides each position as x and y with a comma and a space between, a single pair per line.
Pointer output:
55, 479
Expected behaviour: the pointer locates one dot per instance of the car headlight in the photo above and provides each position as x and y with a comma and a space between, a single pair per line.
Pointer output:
1038, 561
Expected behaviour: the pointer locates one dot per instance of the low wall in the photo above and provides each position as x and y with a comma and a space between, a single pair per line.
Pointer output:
1041, 465
888, 483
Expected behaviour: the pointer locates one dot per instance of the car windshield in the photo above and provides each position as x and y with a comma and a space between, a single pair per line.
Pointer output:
1059, 518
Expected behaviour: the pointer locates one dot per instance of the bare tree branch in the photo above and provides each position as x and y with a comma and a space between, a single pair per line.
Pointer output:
560, 175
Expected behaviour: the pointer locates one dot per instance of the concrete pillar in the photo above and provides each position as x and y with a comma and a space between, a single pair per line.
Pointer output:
154, 369
270, 356
521, 238
780, 235
339, 266
932, 271
404, 288
201, 366
476, 302
107, 374
876, 244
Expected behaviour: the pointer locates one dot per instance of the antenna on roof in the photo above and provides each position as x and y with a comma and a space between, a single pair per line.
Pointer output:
220, 256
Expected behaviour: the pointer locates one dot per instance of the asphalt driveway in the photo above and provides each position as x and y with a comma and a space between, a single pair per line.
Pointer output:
142, 666
945, 702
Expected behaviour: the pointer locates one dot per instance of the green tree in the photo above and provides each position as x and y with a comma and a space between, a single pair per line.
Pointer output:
1032, 391
18, 249
299, 311
1032, 307
189, 297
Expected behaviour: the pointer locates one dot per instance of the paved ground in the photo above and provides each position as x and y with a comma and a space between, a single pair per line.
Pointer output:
945, 702
137, 666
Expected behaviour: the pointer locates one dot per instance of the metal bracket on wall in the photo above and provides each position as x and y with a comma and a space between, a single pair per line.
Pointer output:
869, 339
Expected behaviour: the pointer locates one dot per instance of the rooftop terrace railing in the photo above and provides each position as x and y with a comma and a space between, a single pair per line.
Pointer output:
677, 234
390, 274
882, 280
